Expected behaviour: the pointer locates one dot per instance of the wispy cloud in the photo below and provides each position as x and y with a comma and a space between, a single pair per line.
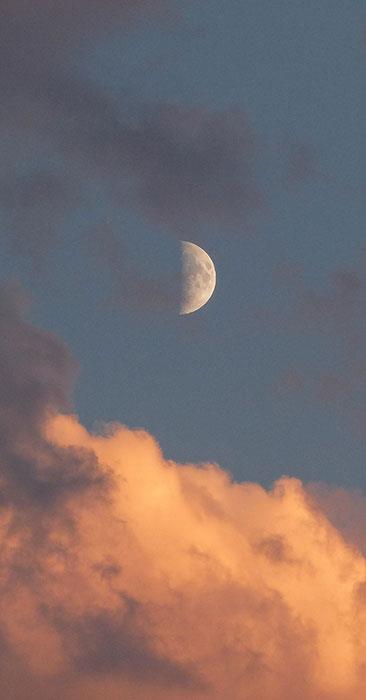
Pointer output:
335, 311
130, 286
179, 167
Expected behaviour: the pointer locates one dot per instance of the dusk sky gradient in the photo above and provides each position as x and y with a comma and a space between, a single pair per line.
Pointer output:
182, 512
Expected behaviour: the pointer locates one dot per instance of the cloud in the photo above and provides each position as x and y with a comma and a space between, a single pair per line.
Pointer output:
302, 163
304, 166
49, 18
345, 509
197, 166
130, 286
334, 311
36, 373
65, 140
126, 574
35, 207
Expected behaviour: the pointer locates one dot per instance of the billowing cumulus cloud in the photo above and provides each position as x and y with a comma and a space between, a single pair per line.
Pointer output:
124, 574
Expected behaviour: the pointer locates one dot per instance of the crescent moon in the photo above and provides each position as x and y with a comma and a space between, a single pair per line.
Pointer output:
198, 278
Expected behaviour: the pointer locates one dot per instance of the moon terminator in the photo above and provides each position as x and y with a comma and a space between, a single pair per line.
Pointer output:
198, 278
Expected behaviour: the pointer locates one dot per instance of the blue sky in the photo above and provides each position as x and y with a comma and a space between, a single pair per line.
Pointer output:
242, 381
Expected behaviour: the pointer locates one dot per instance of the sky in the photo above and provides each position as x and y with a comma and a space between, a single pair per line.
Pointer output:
182, 511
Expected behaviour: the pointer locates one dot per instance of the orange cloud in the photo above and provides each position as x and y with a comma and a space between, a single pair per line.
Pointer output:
124, 575
170, 581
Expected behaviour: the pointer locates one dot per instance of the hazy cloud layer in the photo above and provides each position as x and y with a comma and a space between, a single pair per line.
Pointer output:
62, 136
124, 574
130, 286
335, 310
302, 163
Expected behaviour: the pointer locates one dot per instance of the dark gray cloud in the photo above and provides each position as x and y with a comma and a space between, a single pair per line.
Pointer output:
194, 166
49, 18
36, 375
334, 311
346, 509
36, 367
130, 286
35, 207
302, 163
334, 308
112, 643
180, 167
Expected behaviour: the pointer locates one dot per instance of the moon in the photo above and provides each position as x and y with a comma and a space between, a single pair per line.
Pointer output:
198, 278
